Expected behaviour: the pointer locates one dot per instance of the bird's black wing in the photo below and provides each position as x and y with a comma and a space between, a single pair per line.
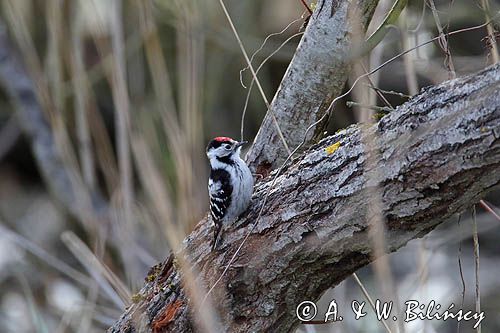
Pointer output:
219, 190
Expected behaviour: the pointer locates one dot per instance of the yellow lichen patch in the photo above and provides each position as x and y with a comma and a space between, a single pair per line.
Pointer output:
153, 273
151, 277
137, 298
313, 6
175, 263
332, 148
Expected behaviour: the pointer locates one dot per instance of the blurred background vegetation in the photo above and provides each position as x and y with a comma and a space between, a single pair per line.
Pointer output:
133, 90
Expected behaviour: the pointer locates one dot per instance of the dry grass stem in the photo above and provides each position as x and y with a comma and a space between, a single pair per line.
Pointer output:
476, 265
492, 35
254, 75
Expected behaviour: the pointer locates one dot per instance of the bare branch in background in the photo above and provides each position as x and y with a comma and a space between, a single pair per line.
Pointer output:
440, 153
61, 177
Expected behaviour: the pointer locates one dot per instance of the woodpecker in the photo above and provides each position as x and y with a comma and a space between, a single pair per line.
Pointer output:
230, 184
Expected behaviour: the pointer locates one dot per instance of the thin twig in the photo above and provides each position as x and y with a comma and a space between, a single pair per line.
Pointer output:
388, 92
443, 41
253, 81
370, 107
370, 300
307, 7
489, 209
372, 84
262, 47
278, 129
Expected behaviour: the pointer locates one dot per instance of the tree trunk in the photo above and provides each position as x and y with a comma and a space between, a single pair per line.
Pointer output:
439, 154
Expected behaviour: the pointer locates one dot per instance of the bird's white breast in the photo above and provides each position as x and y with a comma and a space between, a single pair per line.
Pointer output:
242, 190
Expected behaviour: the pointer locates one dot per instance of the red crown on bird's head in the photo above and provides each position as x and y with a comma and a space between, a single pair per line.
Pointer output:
223, 139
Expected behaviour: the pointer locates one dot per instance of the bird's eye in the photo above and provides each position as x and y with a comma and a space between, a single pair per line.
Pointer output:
227, 146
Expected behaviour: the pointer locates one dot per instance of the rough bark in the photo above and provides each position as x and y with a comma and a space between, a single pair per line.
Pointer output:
439, 154
315, 76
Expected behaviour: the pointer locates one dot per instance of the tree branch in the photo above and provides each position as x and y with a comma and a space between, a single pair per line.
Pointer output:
440, 153
315, 76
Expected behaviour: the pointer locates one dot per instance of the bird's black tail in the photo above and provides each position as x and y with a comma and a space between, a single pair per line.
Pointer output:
217, 229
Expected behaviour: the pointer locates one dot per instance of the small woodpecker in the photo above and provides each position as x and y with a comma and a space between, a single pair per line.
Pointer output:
230, 184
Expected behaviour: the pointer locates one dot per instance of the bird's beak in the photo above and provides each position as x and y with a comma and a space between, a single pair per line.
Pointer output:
239, 144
